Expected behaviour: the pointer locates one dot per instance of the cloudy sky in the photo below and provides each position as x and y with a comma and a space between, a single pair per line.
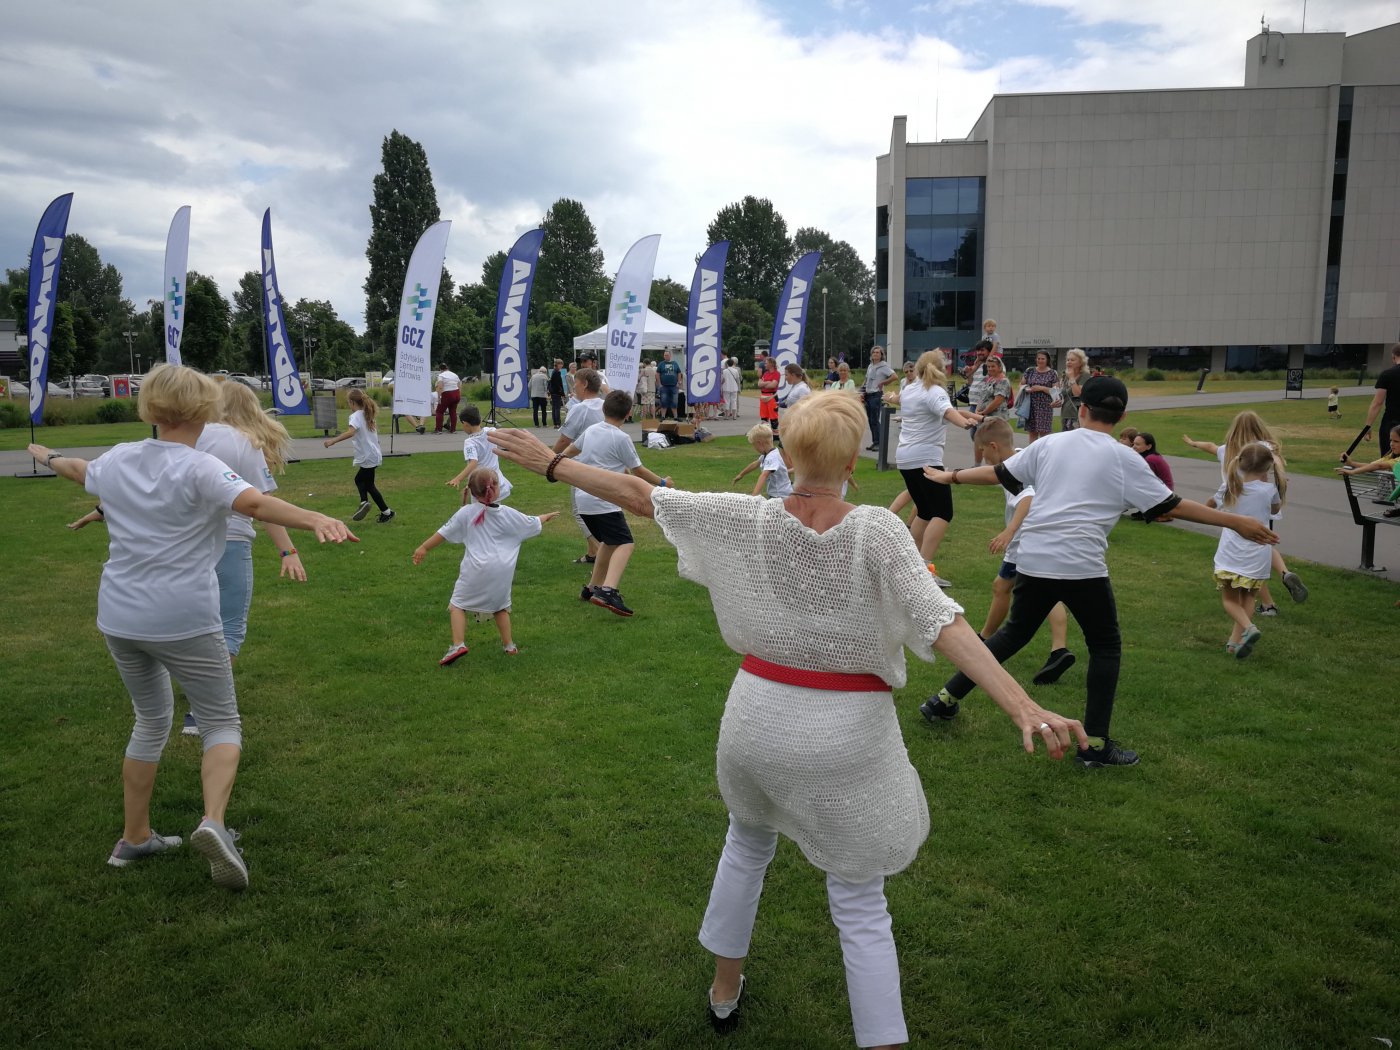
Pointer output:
654, 115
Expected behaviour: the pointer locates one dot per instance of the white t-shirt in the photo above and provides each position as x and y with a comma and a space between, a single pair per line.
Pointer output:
779, 482
1236, 554
582, 415
167, 508
365, 442
1012, 502
1084, 480
729, 380
232, 448
794, 394
493, 546
923, 430
604, 445
478, 447
449, 381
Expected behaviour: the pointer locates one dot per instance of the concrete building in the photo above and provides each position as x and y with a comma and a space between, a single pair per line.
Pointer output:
1243, 228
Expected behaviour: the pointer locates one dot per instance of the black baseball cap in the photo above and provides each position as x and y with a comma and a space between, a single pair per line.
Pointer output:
588, 355
1104, 392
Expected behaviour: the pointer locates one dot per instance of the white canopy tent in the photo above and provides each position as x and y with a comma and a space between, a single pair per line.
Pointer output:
660, 334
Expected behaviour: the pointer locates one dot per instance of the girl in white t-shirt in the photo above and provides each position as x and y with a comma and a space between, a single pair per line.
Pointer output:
771, 463
363, 432
1242, 566
492, 535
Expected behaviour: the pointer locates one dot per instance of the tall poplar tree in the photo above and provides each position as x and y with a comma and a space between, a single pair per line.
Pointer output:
405, 204
760, 251
571, 263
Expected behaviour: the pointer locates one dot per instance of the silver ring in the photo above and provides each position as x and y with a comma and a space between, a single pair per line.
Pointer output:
1043, 725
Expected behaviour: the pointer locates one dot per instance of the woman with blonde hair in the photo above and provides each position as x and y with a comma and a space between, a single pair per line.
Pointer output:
364, 433
927, 411
167, 507
809, 745
1076, 371
1248, 428
253, 447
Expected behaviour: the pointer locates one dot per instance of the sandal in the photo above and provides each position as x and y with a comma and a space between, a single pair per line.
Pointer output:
587, 559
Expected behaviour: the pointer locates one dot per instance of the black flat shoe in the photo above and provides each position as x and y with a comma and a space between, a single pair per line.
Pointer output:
730, 1021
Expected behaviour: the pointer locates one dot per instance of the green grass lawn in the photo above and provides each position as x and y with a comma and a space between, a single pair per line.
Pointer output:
517, 851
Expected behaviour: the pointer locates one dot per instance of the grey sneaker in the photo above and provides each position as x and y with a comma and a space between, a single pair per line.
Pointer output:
216, 844
1296, 590
190, 726
360, 512
1247, 642
124, 853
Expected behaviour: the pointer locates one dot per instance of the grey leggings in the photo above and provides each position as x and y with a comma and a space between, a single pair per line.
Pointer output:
201, 666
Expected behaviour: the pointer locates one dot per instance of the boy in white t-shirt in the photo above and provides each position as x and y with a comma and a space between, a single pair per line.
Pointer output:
1084, 481
585, 408
606, 445
771, 462
479, 452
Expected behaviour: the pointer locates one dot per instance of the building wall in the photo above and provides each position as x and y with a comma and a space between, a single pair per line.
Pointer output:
1158, 218
1368, 307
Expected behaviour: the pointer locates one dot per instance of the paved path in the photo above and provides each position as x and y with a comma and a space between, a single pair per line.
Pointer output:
1316, 526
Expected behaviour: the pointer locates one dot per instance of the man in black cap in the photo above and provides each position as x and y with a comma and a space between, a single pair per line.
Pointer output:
589, 359
1084, 480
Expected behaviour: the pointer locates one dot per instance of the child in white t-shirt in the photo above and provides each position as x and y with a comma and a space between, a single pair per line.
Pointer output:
604, 444
478, 452
1242, 566
772, 464
363, 432
492, 535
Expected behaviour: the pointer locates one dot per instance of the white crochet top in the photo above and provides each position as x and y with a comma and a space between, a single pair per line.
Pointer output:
849, 599
827, 769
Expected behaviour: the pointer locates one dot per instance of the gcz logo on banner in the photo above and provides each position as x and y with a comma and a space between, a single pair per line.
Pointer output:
419, 301
175, 301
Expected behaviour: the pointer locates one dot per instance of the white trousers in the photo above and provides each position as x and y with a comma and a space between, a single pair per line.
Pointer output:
858, 910
731, 403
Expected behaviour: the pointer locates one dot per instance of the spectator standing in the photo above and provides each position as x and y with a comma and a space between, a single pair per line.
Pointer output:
668, 375
1386, 402
730, 382
449, 391
539, 392
1076, 371
645, 396
1039, 384
878, 376
556, 391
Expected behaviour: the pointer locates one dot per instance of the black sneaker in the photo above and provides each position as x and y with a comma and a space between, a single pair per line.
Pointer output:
609, 599
1108, 755
1060, 661
940, 708
388, 515
586, 595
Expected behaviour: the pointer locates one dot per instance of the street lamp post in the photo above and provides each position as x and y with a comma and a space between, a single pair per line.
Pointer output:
130, 355
824, 350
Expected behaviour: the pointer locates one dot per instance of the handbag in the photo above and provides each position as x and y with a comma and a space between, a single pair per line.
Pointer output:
1023, 409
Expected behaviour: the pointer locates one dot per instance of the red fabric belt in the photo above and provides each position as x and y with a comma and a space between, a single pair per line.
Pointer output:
835, 681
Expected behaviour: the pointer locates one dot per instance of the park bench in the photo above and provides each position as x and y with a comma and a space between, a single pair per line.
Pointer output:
1370, 497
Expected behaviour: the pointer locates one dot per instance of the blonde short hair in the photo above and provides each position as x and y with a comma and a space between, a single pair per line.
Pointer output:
1078, 355
929, 369
989, 321
174, 394
760, 430
822, 434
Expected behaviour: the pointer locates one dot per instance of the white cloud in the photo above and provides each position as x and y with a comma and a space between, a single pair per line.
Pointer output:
655, 117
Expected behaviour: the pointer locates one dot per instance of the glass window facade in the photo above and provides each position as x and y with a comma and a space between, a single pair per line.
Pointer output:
1178, 358
942, 263
1256, 358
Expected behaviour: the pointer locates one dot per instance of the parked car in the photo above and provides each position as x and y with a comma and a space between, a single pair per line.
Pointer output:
351, 381
104, 383
322, 383
19, 389
79, 387
252, 382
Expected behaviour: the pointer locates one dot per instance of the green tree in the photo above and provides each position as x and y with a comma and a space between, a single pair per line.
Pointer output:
63, 345
744, 321
318, 336
571, 263
405, 204
554, 336
670, 299
845, 285
760, 252
205, 342
85, 281
492, 270
248, 345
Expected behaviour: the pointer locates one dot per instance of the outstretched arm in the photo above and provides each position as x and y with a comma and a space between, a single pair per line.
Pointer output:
753, 465
291, 563
966, 476
526, 450
1203, 446
423, 548
1190, 510
70, 467
263, 507
466, 473
346, 436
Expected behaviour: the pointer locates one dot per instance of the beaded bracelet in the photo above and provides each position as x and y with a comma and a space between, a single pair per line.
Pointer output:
549, 472
288, 554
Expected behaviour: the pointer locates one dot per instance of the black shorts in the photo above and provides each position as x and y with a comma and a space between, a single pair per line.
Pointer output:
608, 529
931, 500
